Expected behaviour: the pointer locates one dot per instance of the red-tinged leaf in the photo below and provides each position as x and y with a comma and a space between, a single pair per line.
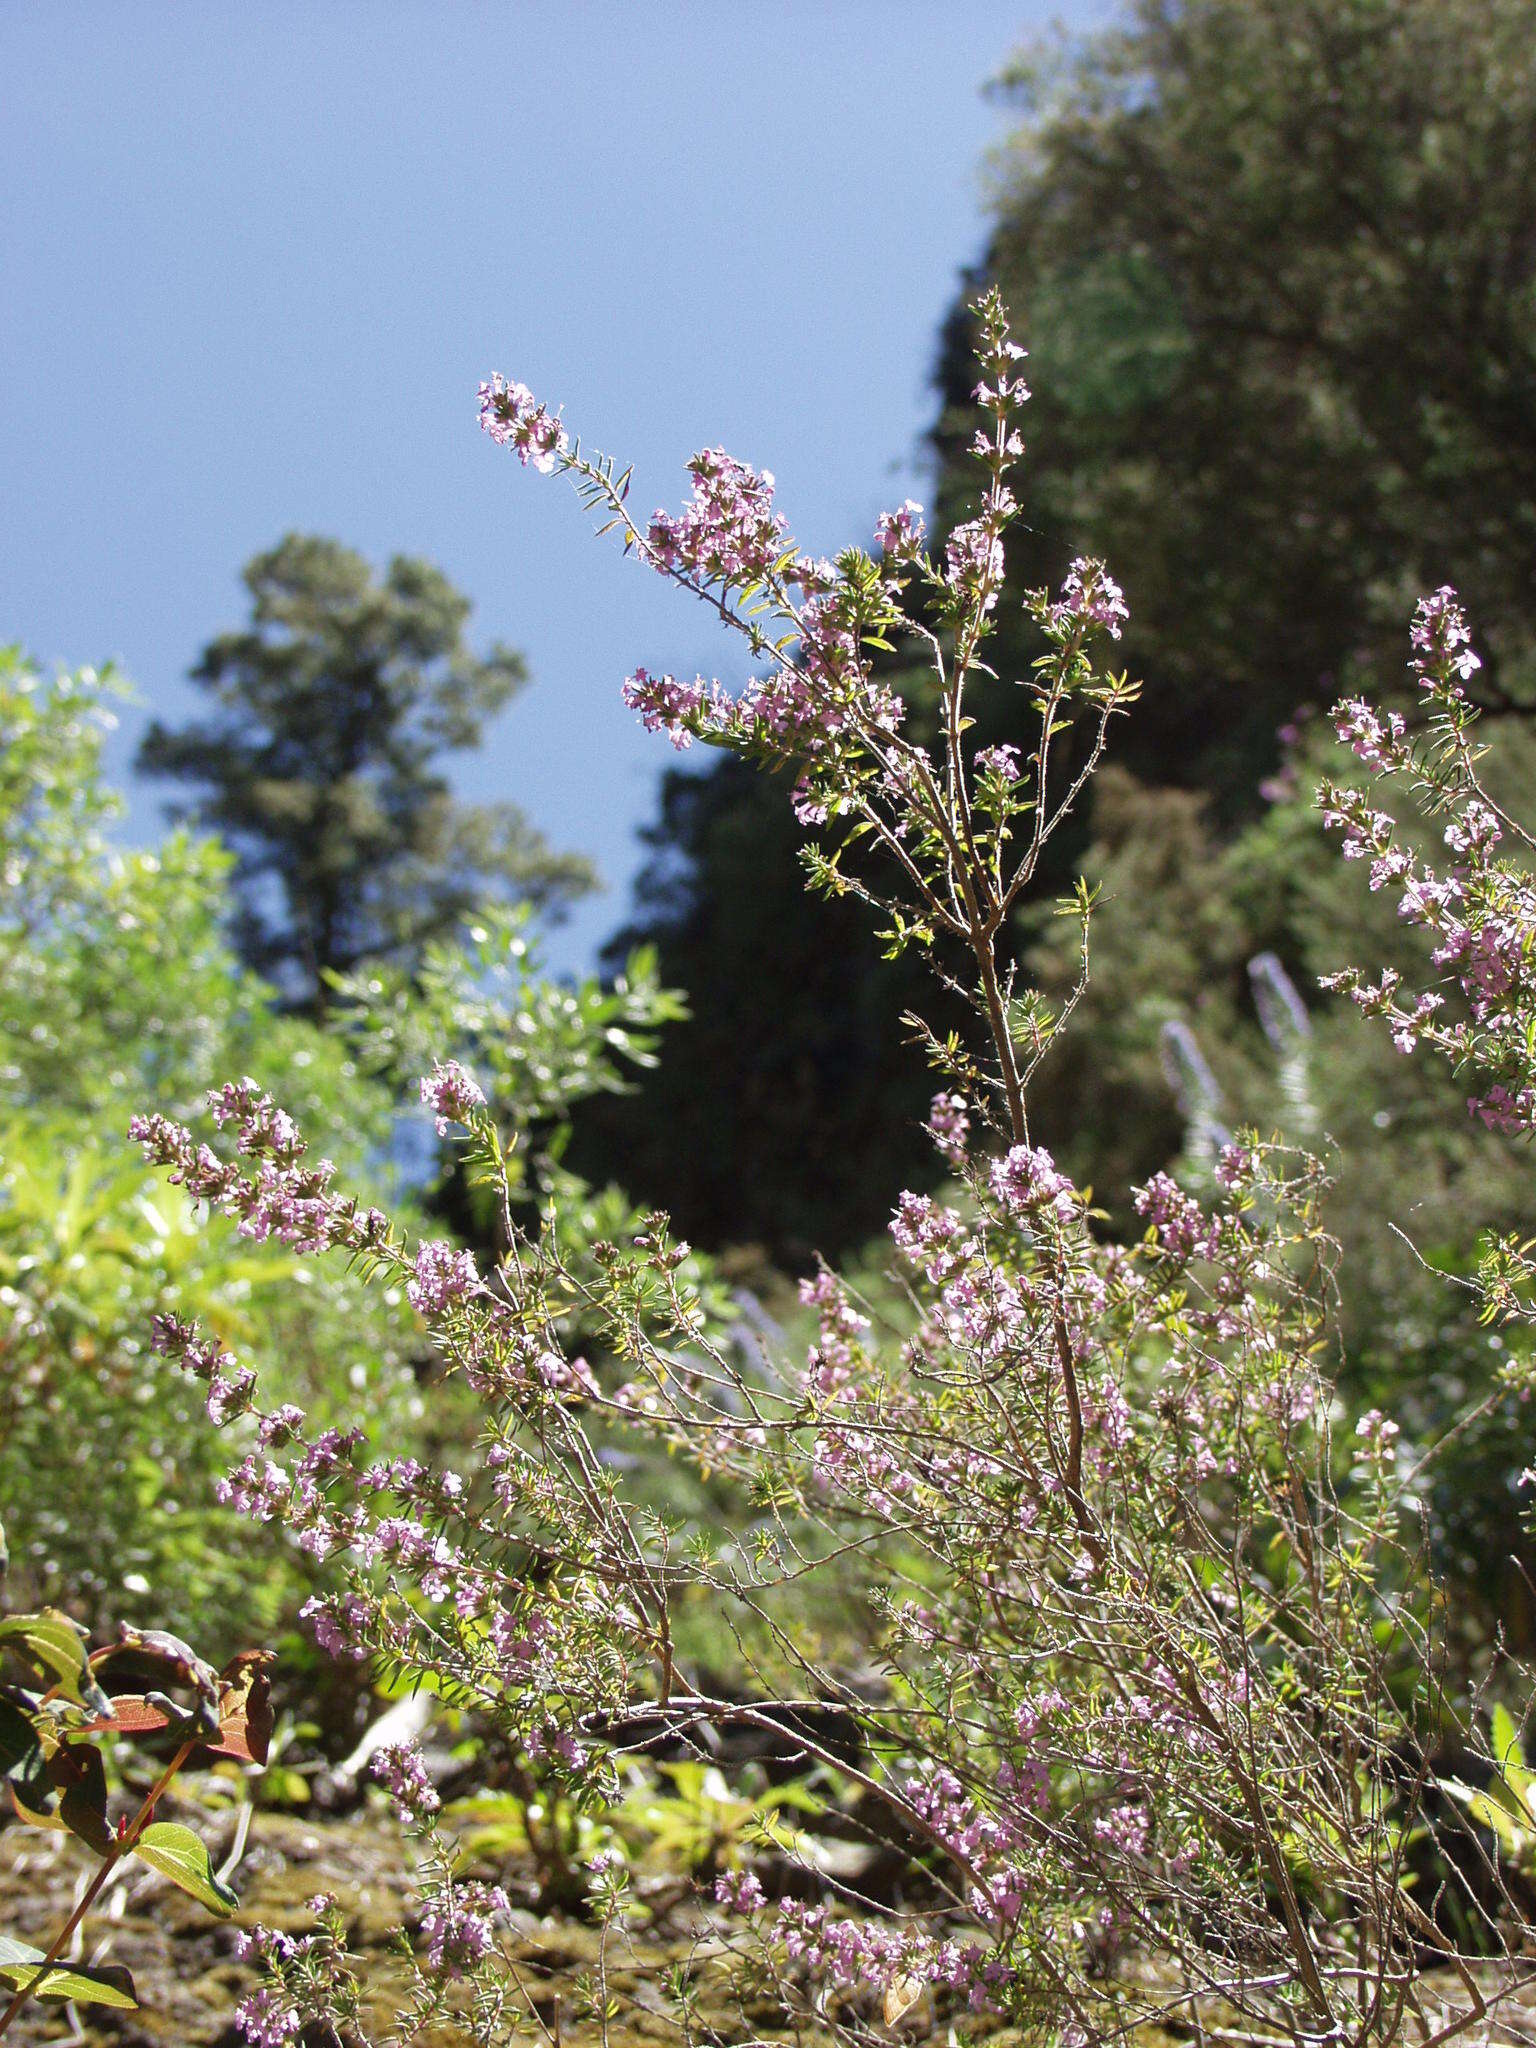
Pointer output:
155, 1646
131, 1714
245, 1709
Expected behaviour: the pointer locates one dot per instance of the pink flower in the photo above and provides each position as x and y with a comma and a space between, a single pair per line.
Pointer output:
514, 418
459, 1926
739, 1891
1026, 1180
264, 2020
452, 1093
902, 532
1182, 1227
1001, 761
973, 561
1091, 595
728, 532
1441, 639
443, 1276
399, 1768
666, 705
950, 1125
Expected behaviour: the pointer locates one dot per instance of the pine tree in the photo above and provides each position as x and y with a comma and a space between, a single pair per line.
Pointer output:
321, 766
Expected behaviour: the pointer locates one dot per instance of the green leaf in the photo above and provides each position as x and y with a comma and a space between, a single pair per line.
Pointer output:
1498, 1811
50, 1642
107, 1984
178, 1854
21, 1750
77, 1770
1511, 1759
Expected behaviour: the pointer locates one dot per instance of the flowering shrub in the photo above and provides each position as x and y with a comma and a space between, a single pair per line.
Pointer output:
1160, 1699
1480, 913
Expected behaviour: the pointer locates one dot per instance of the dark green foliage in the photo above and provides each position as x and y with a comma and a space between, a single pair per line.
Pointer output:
786, 1106
1276, 267
322, 766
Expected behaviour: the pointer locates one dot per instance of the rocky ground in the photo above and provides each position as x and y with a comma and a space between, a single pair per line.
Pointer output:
189, 1979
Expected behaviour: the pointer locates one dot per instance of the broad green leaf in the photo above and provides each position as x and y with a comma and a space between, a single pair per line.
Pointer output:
50, 1642
21, 1749
78, 1772
1498, 1811
178, 1854
106, 1984
1511, 1758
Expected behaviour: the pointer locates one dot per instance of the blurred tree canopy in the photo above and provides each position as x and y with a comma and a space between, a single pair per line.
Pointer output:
118, 993
1275, 261
321, 766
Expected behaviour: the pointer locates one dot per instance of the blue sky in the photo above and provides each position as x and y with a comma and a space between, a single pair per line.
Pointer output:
256, 259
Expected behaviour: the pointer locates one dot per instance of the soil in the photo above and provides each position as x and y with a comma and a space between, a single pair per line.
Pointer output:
189, 1979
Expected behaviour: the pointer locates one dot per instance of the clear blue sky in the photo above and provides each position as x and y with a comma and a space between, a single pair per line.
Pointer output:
256, 258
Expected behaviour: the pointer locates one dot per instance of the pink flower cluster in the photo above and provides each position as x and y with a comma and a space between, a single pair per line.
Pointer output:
929, 1235
728, 532
266, 2019
1379, 742
459, 1926
1481, 915
400, 1768
854, 1954
950, 1124
973, 562
677, 709
1442, 642
1182, 1227
284, 1199
514, 419
1026, 1181
1090, 596
1001, 761
452, 1093
443, 1276
901, 533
